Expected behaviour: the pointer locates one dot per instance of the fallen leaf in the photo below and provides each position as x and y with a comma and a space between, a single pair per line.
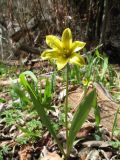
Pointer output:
96, 144
93, 155
51, 156
108, 107
24, 153
85, 131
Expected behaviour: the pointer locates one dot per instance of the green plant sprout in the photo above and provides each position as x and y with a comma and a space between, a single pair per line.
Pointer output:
63, 52
4, 150
32, 130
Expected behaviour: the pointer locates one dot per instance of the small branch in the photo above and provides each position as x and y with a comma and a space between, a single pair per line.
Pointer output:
29, 49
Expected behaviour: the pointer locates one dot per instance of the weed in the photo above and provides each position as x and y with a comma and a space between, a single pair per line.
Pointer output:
4, 150
11, 116
32, 130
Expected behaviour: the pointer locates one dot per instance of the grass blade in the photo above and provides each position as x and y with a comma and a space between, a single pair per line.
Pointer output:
97, 115
104, 69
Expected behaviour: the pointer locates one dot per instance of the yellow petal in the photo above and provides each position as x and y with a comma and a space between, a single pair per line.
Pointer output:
77, 45
61, 62
53, 42
67, 38
86, 82
50, 54
77, 59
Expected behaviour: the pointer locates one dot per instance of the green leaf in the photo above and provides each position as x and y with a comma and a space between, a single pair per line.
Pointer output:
37, 104
115, 144
28, 73
97, 115
77, 73
20, 93
47, 92
115, 121
39, 107
104, 69
80, 117
97, 53
2, 100
53, 81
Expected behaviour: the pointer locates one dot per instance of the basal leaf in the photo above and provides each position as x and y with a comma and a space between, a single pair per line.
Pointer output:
39, 107
80, 117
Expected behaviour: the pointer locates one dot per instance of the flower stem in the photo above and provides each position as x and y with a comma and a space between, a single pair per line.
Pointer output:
66, 110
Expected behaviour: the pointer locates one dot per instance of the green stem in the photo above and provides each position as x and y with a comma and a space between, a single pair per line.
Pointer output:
66, 111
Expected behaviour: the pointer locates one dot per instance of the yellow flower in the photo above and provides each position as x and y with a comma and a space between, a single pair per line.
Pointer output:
86, 82
64, 50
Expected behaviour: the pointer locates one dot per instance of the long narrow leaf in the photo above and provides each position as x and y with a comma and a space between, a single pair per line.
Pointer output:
38, 105
80, 117
20, 93
39, 108
47, 92
115, 121
97, 115
104, 69
77, 73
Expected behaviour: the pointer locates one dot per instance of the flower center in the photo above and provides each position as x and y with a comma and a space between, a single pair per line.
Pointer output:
66, 53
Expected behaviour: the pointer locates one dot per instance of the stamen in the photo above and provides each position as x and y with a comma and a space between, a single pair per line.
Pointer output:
66, 53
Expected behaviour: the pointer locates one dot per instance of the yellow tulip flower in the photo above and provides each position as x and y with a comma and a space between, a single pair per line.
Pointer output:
63, 51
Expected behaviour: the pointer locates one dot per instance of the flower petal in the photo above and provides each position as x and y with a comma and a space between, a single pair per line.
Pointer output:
61, 62
50, 54
67, 38
77, 45
53, 42
77, 59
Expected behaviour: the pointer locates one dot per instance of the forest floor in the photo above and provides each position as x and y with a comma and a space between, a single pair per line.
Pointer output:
24, 137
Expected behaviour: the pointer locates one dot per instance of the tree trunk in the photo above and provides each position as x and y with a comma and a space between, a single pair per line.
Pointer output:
112, 34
